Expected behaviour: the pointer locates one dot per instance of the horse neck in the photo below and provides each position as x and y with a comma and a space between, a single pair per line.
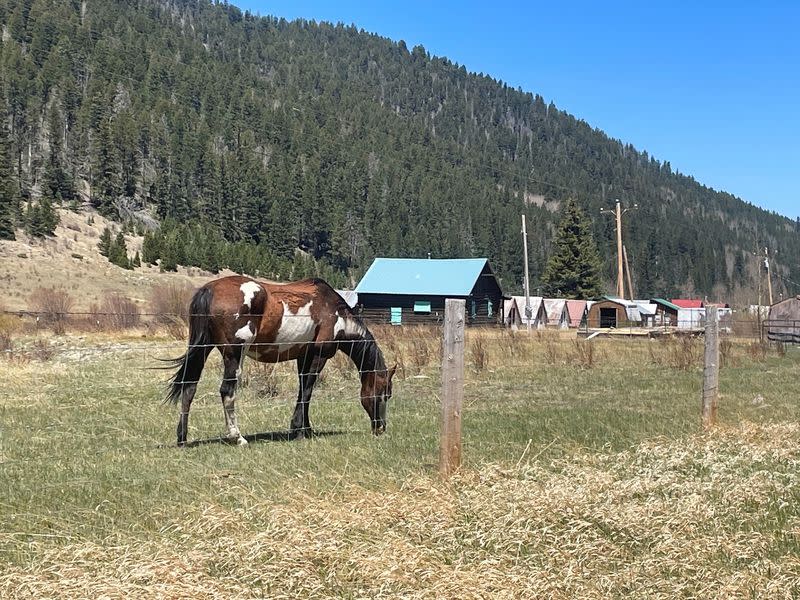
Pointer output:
363, 350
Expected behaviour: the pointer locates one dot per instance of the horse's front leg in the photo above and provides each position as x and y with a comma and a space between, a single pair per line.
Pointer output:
308, 369
232, 357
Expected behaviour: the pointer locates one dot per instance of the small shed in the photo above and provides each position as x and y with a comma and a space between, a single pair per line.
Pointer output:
412, 290
783, 323
557, 314
666, 312
577, 312
512, 316
691, 318
608, 313
647, 312
538, 317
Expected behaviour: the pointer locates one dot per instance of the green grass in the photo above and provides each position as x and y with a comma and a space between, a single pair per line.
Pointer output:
87, 455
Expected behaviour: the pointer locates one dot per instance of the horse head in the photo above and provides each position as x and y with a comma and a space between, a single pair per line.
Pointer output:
376, 391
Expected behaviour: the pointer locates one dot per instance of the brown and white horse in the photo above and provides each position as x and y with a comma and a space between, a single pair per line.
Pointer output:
306, 321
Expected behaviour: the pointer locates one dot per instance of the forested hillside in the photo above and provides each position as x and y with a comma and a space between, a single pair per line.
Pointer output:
251, 137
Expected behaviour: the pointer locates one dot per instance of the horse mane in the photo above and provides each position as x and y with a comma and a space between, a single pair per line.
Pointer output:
364, 352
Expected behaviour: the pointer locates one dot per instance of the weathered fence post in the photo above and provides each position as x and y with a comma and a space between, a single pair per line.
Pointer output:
452, 386
711, 368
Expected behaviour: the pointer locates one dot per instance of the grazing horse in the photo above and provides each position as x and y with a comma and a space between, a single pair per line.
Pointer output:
306, 321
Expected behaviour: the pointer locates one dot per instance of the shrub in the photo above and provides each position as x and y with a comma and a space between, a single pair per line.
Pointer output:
479, 354
52, 307
116, 312
584, 353
169, 305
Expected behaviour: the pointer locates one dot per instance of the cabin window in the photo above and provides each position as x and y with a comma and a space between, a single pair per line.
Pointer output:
397, 315
489, 308
422, 307
473, 309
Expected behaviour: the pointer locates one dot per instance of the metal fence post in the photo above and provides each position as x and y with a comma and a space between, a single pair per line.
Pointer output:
711, 368
452, 386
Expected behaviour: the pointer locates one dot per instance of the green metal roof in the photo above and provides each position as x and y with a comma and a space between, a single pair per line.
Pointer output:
666, 303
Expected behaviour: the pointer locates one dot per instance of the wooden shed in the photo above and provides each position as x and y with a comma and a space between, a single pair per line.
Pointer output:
608, 313
538, 317
783, 323
410, 290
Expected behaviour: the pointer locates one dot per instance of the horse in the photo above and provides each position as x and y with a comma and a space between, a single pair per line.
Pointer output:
306, 321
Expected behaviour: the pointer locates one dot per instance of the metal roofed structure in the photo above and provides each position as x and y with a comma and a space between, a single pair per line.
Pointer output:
439, 277
413, 290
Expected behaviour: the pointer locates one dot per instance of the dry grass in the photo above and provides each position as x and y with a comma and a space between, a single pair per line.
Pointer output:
662, 520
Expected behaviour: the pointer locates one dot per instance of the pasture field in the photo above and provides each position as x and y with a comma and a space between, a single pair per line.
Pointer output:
586, 475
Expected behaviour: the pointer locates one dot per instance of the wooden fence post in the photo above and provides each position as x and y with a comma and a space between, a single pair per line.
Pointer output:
452, 386
711, 368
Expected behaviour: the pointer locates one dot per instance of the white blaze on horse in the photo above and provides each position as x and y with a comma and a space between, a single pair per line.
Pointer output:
306, 321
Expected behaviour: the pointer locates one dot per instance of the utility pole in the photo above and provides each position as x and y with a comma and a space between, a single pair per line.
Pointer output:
769, 278
618, 212
628, 271
528, 311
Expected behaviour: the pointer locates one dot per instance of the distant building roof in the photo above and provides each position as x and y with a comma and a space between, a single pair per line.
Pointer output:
576, 308
665, 303
555, 309
421, 276
537, 304
687, 303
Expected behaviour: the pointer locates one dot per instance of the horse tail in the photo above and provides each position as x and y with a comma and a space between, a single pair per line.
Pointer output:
190, 364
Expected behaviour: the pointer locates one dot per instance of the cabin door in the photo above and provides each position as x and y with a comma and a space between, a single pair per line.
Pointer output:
608, 317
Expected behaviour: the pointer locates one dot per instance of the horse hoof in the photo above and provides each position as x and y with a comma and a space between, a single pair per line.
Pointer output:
300, 434
235, 441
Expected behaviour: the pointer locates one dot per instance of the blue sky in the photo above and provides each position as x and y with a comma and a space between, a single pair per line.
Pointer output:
712, 87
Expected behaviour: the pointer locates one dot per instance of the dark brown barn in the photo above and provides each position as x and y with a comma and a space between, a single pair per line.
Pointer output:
410, 290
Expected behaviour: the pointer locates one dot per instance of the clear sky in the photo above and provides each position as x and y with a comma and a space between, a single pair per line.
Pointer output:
713, 87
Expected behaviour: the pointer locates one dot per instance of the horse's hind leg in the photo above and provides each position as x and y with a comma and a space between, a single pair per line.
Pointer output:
189, 387
232, 358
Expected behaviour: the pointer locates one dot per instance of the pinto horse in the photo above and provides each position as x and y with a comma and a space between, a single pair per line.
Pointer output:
306, 321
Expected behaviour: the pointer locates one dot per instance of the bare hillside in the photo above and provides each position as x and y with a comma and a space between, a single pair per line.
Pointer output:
72, 260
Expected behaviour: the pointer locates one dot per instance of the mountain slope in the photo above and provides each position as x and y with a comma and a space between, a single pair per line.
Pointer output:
344, 144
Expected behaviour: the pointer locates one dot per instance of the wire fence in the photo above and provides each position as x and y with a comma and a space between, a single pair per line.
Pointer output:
526, 395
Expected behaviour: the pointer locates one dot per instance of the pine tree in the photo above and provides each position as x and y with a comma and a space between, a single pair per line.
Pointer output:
105, 242
9, 196
118, 252
573, 270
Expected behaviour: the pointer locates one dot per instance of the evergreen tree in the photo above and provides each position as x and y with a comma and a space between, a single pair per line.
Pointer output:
104, 245
573, 270
9, 193
118, 252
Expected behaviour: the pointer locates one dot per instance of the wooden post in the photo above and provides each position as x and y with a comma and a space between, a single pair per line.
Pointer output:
452, 386
711, 368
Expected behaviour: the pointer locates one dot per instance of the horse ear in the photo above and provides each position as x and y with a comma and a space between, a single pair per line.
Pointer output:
392, 370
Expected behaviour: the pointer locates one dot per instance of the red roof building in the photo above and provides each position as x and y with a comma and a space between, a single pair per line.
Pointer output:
681, 303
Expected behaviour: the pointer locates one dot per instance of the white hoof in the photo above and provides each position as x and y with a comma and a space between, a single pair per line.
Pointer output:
241, 441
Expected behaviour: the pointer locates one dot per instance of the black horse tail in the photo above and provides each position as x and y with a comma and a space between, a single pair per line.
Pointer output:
190, 365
